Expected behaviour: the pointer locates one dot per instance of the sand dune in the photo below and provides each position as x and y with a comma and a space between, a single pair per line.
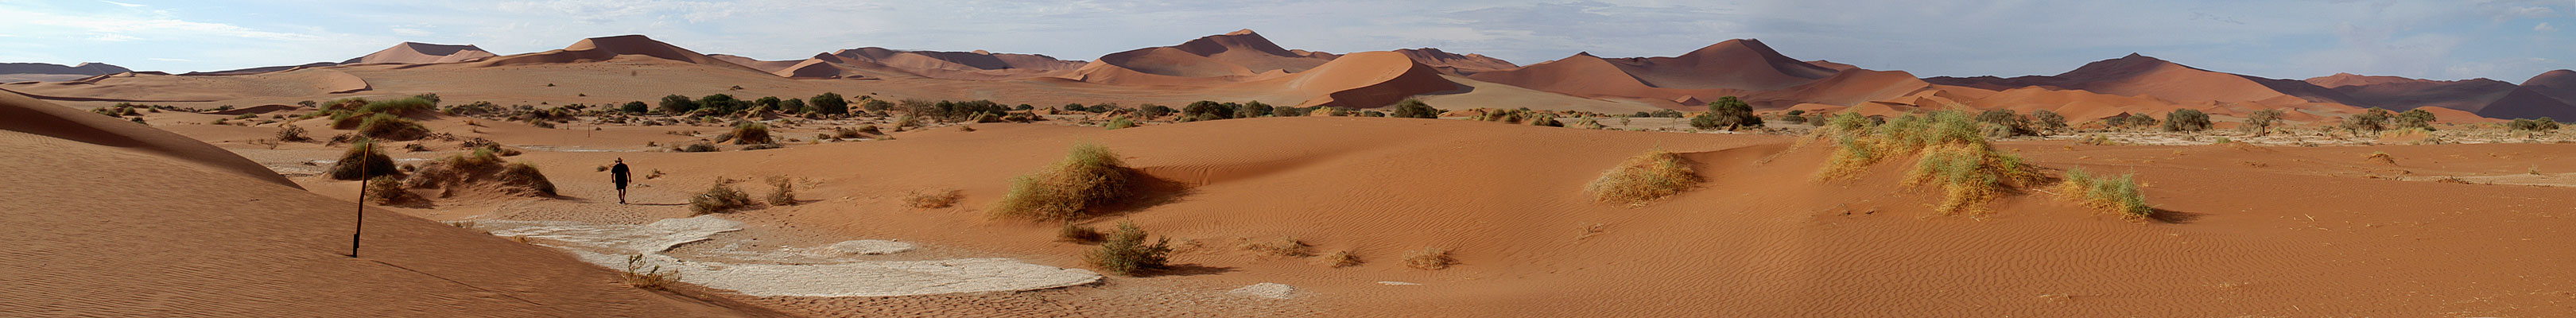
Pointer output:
1366, 80
1454, 64
1745, 68
1744, 64
2560, 84
44, 72
606, 48
417, 53
1236, 56
2141, 75
977, 65
2399, 93
147, 87
196, 231
755, 64
2525, 102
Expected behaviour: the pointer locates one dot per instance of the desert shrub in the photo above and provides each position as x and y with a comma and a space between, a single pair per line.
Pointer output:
390, 127
363, 161
2373, 120
2186, 120
291, 133
1949, 150
2261, 121
1282, 247
1340, 259
1793, 119
2137, 120
1589, 123
1644, 178
876, 105
2045, 121
676, 104
1429, 258
524, 179
1078, 234
750, 133
1545, 120
634, 107
1150, 111
697, 147
723, 104
846, 133
2415, 118
399, 106
763, 147
782, 191
770, 102
1414, 108
1288, 111
2538, 125
2012, 124
387, 190
798, 106
655, 278
932, 199
1089, 178
1252, 109
720, 198
1727, 113
1126, 252
1206, 110
2117, 195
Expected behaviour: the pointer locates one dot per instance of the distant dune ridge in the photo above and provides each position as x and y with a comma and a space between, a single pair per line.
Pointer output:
1244, 65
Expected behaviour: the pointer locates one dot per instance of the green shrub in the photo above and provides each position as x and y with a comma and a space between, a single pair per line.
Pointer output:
2116, 195
2543, 124
1126, 252
1727, 113
751, 133
389, 127
363, 161
2011, 123
2261, 121
291, 133
1644, 178
1545, 120
634, 107
1120, 122
2373, 120
2415, 118
2137, 120
720, 198
1090, 178
1252, 109
2047, 121
2186, 120
1414, 108
400, 106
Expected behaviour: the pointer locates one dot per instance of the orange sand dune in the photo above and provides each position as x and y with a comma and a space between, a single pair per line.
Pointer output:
755, 64
114, 219
2077, 106
1454, 64
977, 65
606, 48
2141, 75
1744, 64
45, 72
1365, 80
417, 53
1831, 65
1241, 55
2453, 116
148, 87
1744, 68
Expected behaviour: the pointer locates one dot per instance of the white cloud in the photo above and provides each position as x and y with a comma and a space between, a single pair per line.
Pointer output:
122, 4
2544, 27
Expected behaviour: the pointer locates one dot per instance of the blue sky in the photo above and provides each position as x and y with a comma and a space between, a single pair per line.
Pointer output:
2508, 40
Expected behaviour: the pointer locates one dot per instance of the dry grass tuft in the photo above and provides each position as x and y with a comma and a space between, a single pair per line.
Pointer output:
932, 199
1127, 253
648, 278
1340, 259
782, 191
1282, 247
1429, 258
2115, 195
1950, 150
363, 161
1644, 178
1089, 179
385, 190
720, 198
2380, 157
1078, 234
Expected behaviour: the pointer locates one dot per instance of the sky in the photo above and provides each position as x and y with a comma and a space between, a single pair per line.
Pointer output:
2507, 40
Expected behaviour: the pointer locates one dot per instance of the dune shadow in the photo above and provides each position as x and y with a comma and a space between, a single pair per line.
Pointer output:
1150, 192
1191, 270
2173, 217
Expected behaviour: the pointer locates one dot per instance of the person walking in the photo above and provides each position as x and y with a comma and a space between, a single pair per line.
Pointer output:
617, 174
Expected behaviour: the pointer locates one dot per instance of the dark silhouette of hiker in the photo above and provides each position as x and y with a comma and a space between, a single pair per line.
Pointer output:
617, 174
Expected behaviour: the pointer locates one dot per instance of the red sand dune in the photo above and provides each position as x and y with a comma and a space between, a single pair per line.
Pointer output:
1454, 64
2141, 75
2525, 102
1232, 56
1745, 68
1745, 64
1365, 80
1831, 65
756, 64
2560, 84
977, 65
163, 87
418, 53
606, 48
2399, 93
2447, 115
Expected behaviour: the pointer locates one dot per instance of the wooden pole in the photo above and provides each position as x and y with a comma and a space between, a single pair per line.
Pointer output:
361, 225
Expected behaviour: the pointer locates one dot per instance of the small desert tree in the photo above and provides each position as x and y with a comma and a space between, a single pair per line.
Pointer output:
1252, 109
635, 107
2261, 121
798, 106
2544, 124
2374, 120
676, 104
2047, 121
1414, 108
2186, 120
1727, 113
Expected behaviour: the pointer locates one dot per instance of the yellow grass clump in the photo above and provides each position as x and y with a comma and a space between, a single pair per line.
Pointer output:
2117, 195
1950, 153
1429, 258
1089, 179
1644, 178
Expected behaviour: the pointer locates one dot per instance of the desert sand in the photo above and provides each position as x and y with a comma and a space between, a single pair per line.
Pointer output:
181, 209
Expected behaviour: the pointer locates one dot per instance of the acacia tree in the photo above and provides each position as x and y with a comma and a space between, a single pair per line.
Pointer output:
1729, 113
